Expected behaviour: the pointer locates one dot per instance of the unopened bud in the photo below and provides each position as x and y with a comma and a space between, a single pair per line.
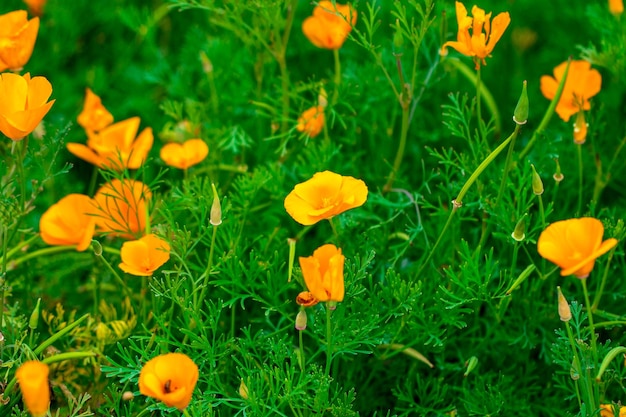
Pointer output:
34, 316
520, 115
207, 65
216, 208
573, 373
558, 175
471, 364
301, 320
96, 247
322, 98
398, 38
564, 311
127, 396
243, 390
520, 229
580, 128
537, 183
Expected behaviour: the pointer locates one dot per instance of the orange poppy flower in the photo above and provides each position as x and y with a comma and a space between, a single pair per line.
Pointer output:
616, 7
68, 223
144, 256
479, 44
330, 24
120, 208
582, 83
323, 273
33, 379
324, 196
574, 245
17, 39
170, 378
115, 147
23, 103
186, 154
94, 115
311, 121
36, 6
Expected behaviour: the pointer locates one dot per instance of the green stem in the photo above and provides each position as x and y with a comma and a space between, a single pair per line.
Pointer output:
301, 347
577, 363
479, 118
92, 183
505, 174
592, 329
23, 244
598, 296
42, 252
207, 272
542, 212
401, 146
580, 179
186, 413
329, 345
59, 334
337, 76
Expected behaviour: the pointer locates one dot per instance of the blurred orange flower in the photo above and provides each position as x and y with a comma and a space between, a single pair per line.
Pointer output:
323, 273
311, 121
121, 208
186, 154
94, 115
36, 6
581, 84
606, 410
33, 379
574, 245
144, 256
330, 24
23, 103
324, 196
17, 39
115, 147
616, 7
479, 44
170, 378
68, 223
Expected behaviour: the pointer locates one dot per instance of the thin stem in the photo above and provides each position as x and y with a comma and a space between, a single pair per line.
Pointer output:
505, 174
329, 345
542, 212
92, 183
591, 326
401, 146
337, 76
580, 178
207, 272
577, 363
598, 296
478, 114
301, 347
42, 252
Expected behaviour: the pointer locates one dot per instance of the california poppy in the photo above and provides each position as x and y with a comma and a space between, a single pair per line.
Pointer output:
479, 44
306, 299
144, 256
94, 115
184, 155
574, 245
33, 379
17, 39
582, 83
330, 24
170, 378
68, 223
23, 103
324, 196
311, 121
115, 147
323, 273
616, 7
120, 208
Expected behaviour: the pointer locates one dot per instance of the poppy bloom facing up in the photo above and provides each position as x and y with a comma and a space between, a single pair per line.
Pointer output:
323, 273
479, 44
170, 378
311, 121
330, 24
115, 147
120, 208
574, 245
68, 223
324, 196
94, 115
144, 256
581, 84
17, 39
23, 103
33, 379
186, 154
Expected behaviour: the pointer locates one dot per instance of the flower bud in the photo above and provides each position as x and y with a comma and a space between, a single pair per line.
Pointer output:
398, 39
322, 98
537, 183
216, 208
127, 396
580, 128
520, 115
34, 316
301, 320
573, 373
243, 390
207, 65
96, 247
558, 175
564, 311
471, 364
520, 229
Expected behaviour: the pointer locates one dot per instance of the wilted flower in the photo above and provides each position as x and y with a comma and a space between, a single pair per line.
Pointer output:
311, 121
68, 223
574, 245
324, 196
479, 44
23, 103
184, 155
33, 379
17, 39
330, 24
581, 84
115, 147
170, 378
94, 115
306, 299
120, 208
144, 256
301, 320
323, 273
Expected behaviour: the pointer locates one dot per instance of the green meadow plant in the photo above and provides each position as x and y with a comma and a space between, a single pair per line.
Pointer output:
293, 208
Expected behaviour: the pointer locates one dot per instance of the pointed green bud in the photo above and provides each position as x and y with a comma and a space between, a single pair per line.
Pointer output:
520, 115
537, 183
558, 175
520, 229
97, 247
398, 38
34, 316
471, 364
565, 313
216, 208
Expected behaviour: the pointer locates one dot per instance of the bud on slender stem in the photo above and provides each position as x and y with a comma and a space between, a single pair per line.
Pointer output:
537, 183
34, 317
564, 311
558, 175
520, 229
216, 208
301, 320
520, 115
